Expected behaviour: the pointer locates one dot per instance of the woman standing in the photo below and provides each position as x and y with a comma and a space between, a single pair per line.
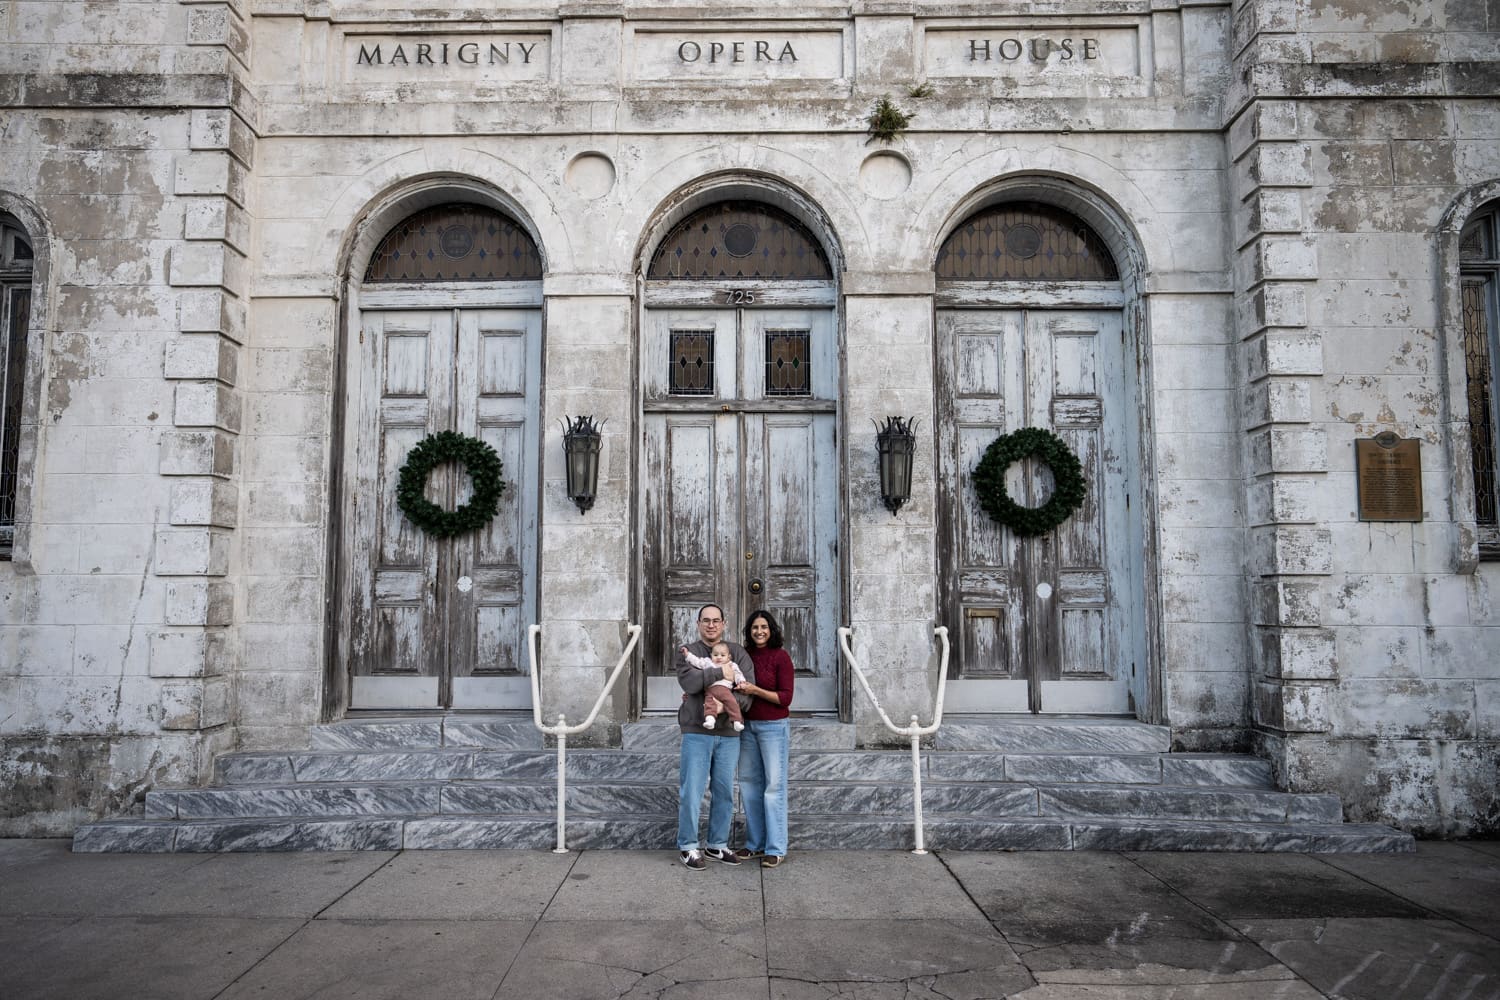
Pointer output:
765, 742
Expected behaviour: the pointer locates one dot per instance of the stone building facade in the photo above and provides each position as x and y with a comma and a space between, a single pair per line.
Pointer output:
255, 251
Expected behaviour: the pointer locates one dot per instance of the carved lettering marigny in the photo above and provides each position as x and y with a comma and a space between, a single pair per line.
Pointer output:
443, 53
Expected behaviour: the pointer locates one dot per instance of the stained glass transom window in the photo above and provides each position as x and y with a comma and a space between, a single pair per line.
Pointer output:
692, 363
788, 363
456, 243
739, 239
1025, 241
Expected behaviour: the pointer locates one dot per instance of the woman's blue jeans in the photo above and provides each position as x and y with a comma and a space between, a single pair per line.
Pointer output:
705, 761
764, 746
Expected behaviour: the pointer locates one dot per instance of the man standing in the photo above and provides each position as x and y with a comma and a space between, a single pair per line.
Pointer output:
709, 756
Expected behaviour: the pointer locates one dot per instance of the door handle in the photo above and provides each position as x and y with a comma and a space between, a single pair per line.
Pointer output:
756, 586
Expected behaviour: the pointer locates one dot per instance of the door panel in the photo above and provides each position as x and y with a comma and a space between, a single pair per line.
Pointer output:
440, 622
741, 503
1044, 622
789, 504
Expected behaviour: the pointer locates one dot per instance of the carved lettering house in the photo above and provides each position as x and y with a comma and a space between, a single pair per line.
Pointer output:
375, 379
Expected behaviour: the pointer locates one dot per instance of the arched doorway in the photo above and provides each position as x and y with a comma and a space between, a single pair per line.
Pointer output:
446, 337
739, 384
1032, 331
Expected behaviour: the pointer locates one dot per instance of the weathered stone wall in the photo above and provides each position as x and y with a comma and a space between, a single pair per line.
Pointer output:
114, 113
1356, 127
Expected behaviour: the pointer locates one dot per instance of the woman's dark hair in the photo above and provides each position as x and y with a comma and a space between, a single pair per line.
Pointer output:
775, 641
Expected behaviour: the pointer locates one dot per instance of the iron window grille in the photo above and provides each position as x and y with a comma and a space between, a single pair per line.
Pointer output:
1479, 263
788, 363
15, 325
1025, 241
455, 242
692, 371
740, 240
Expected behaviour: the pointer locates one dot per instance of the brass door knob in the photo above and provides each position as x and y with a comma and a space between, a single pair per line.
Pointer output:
756, 586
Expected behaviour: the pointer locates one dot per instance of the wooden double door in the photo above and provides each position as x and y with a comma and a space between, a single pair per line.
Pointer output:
439, 622
740, 476
1051, 623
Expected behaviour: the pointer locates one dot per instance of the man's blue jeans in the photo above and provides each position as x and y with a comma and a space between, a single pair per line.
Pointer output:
764, 746
706, 761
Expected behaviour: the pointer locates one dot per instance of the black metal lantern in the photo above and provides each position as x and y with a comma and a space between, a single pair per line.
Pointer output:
897, 441
581, 439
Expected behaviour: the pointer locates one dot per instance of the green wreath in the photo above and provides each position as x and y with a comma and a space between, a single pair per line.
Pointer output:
484, 468
1068, 490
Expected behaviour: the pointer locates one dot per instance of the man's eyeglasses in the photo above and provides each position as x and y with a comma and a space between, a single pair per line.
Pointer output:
710, 621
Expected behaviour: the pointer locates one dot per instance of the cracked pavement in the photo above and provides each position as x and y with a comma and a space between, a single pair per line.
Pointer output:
852, 925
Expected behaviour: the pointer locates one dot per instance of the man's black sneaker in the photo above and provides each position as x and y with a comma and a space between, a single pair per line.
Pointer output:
723, 855
693, 860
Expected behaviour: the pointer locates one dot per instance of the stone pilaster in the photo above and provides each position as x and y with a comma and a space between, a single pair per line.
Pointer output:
1281, 361
893, 595
193, 653
586, 565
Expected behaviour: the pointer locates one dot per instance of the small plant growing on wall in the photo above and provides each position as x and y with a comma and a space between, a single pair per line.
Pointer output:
887, 121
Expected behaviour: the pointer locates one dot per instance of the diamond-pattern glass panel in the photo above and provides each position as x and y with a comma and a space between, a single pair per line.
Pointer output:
788, 363
692, 363
1477, 363
739, 239
1025, 241
456, 243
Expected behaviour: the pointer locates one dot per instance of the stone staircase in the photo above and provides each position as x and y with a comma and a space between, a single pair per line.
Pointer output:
988, 784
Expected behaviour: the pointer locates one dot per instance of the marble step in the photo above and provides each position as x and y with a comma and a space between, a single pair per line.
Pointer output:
442, 764
412, 798
1098, 834
460, 764
1016, 800
1111, 768
1042, 734
1012, 734
807, 833
661, 734
513, 731
502, 732
1051, 734
843, 797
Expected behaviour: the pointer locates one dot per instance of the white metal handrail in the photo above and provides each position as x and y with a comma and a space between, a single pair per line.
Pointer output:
562, 730
916, 730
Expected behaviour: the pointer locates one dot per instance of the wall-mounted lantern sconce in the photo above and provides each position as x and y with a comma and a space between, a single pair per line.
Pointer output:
581, 439
897, 441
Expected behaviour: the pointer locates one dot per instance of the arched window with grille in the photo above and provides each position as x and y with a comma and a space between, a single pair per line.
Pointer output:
1025, 241
15, 323
1479, 267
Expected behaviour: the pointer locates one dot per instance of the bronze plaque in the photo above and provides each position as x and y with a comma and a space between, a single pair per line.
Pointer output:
1389, 471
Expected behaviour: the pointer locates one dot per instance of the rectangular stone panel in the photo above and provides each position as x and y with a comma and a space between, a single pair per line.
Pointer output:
1047, 55
734, 54
471, 57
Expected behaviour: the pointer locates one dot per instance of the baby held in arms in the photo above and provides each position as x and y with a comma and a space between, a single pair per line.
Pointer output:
719, 696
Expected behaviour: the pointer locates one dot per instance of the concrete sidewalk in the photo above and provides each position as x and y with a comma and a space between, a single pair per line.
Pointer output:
868, 925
